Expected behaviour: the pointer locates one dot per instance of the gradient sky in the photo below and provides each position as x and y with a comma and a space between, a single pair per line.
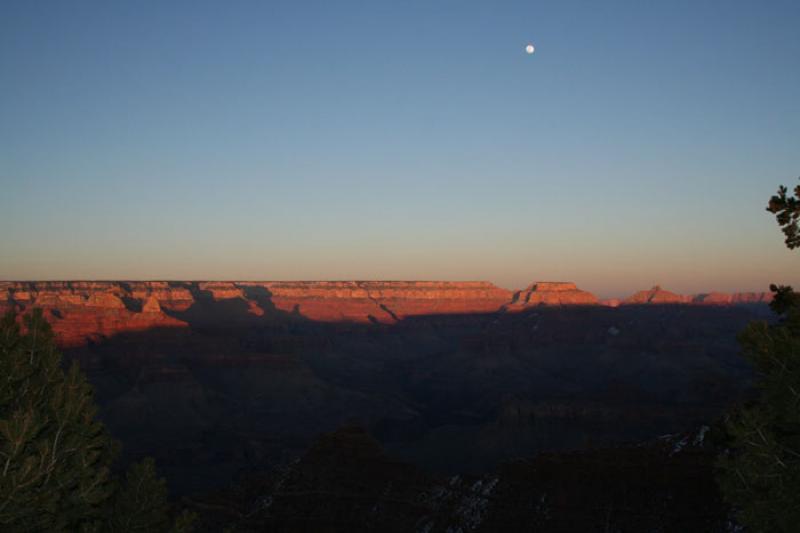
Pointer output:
400, 140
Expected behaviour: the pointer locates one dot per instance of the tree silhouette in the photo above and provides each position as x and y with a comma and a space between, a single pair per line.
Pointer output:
787, 212
55, 457
760, 474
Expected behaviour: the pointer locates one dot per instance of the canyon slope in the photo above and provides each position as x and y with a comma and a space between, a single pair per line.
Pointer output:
84, 312
216, 378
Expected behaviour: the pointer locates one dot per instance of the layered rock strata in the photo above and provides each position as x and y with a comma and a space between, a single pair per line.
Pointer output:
87, 311
82, 312
553, 293
657, 295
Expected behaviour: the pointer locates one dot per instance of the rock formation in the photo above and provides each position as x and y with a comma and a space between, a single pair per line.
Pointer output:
721, 298
82, 312
88, 311
553, 293
657, 295
381, 301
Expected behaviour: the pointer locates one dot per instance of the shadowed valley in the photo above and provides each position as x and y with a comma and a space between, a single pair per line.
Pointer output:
219, 379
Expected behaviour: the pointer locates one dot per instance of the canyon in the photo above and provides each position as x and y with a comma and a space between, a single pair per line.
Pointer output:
83, 312
221, 381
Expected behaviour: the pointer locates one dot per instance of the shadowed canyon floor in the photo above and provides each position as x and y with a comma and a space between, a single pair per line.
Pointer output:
346, 482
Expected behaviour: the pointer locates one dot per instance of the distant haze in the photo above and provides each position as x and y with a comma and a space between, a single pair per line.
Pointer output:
413, 140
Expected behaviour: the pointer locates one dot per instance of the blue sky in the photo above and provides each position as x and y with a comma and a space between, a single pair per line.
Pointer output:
399, 140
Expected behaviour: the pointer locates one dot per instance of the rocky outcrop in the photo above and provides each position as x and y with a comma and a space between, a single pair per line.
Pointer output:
83, 312
736, 298
553, 293
221, 290
384, 301
657, 295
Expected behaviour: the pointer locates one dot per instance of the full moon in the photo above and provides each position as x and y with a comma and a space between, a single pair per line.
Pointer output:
530, 49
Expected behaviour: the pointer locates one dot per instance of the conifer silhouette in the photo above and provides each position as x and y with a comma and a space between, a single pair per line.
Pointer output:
760, 474
55, 456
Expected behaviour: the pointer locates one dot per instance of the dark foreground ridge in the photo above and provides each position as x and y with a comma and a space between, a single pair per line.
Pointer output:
345, 482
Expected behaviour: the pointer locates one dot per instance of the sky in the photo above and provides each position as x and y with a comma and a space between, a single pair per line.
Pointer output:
400, 140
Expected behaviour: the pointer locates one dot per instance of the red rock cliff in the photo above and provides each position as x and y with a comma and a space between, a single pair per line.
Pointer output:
84, 311
657, 295
553, 293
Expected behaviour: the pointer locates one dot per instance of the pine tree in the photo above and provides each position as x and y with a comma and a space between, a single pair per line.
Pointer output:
55, 457
787, 211
141, 503
760, 475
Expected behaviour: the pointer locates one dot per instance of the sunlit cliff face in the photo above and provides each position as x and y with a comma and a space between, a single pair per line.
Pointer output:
83, 311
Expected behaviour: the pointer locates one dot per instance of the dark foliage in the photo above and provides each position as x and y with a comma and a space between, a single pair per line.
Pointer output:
55, 457
787, 211
760, 475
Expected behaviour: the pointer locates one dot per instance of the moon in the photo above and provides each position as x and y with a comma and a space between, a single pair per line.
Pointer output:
530, 49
